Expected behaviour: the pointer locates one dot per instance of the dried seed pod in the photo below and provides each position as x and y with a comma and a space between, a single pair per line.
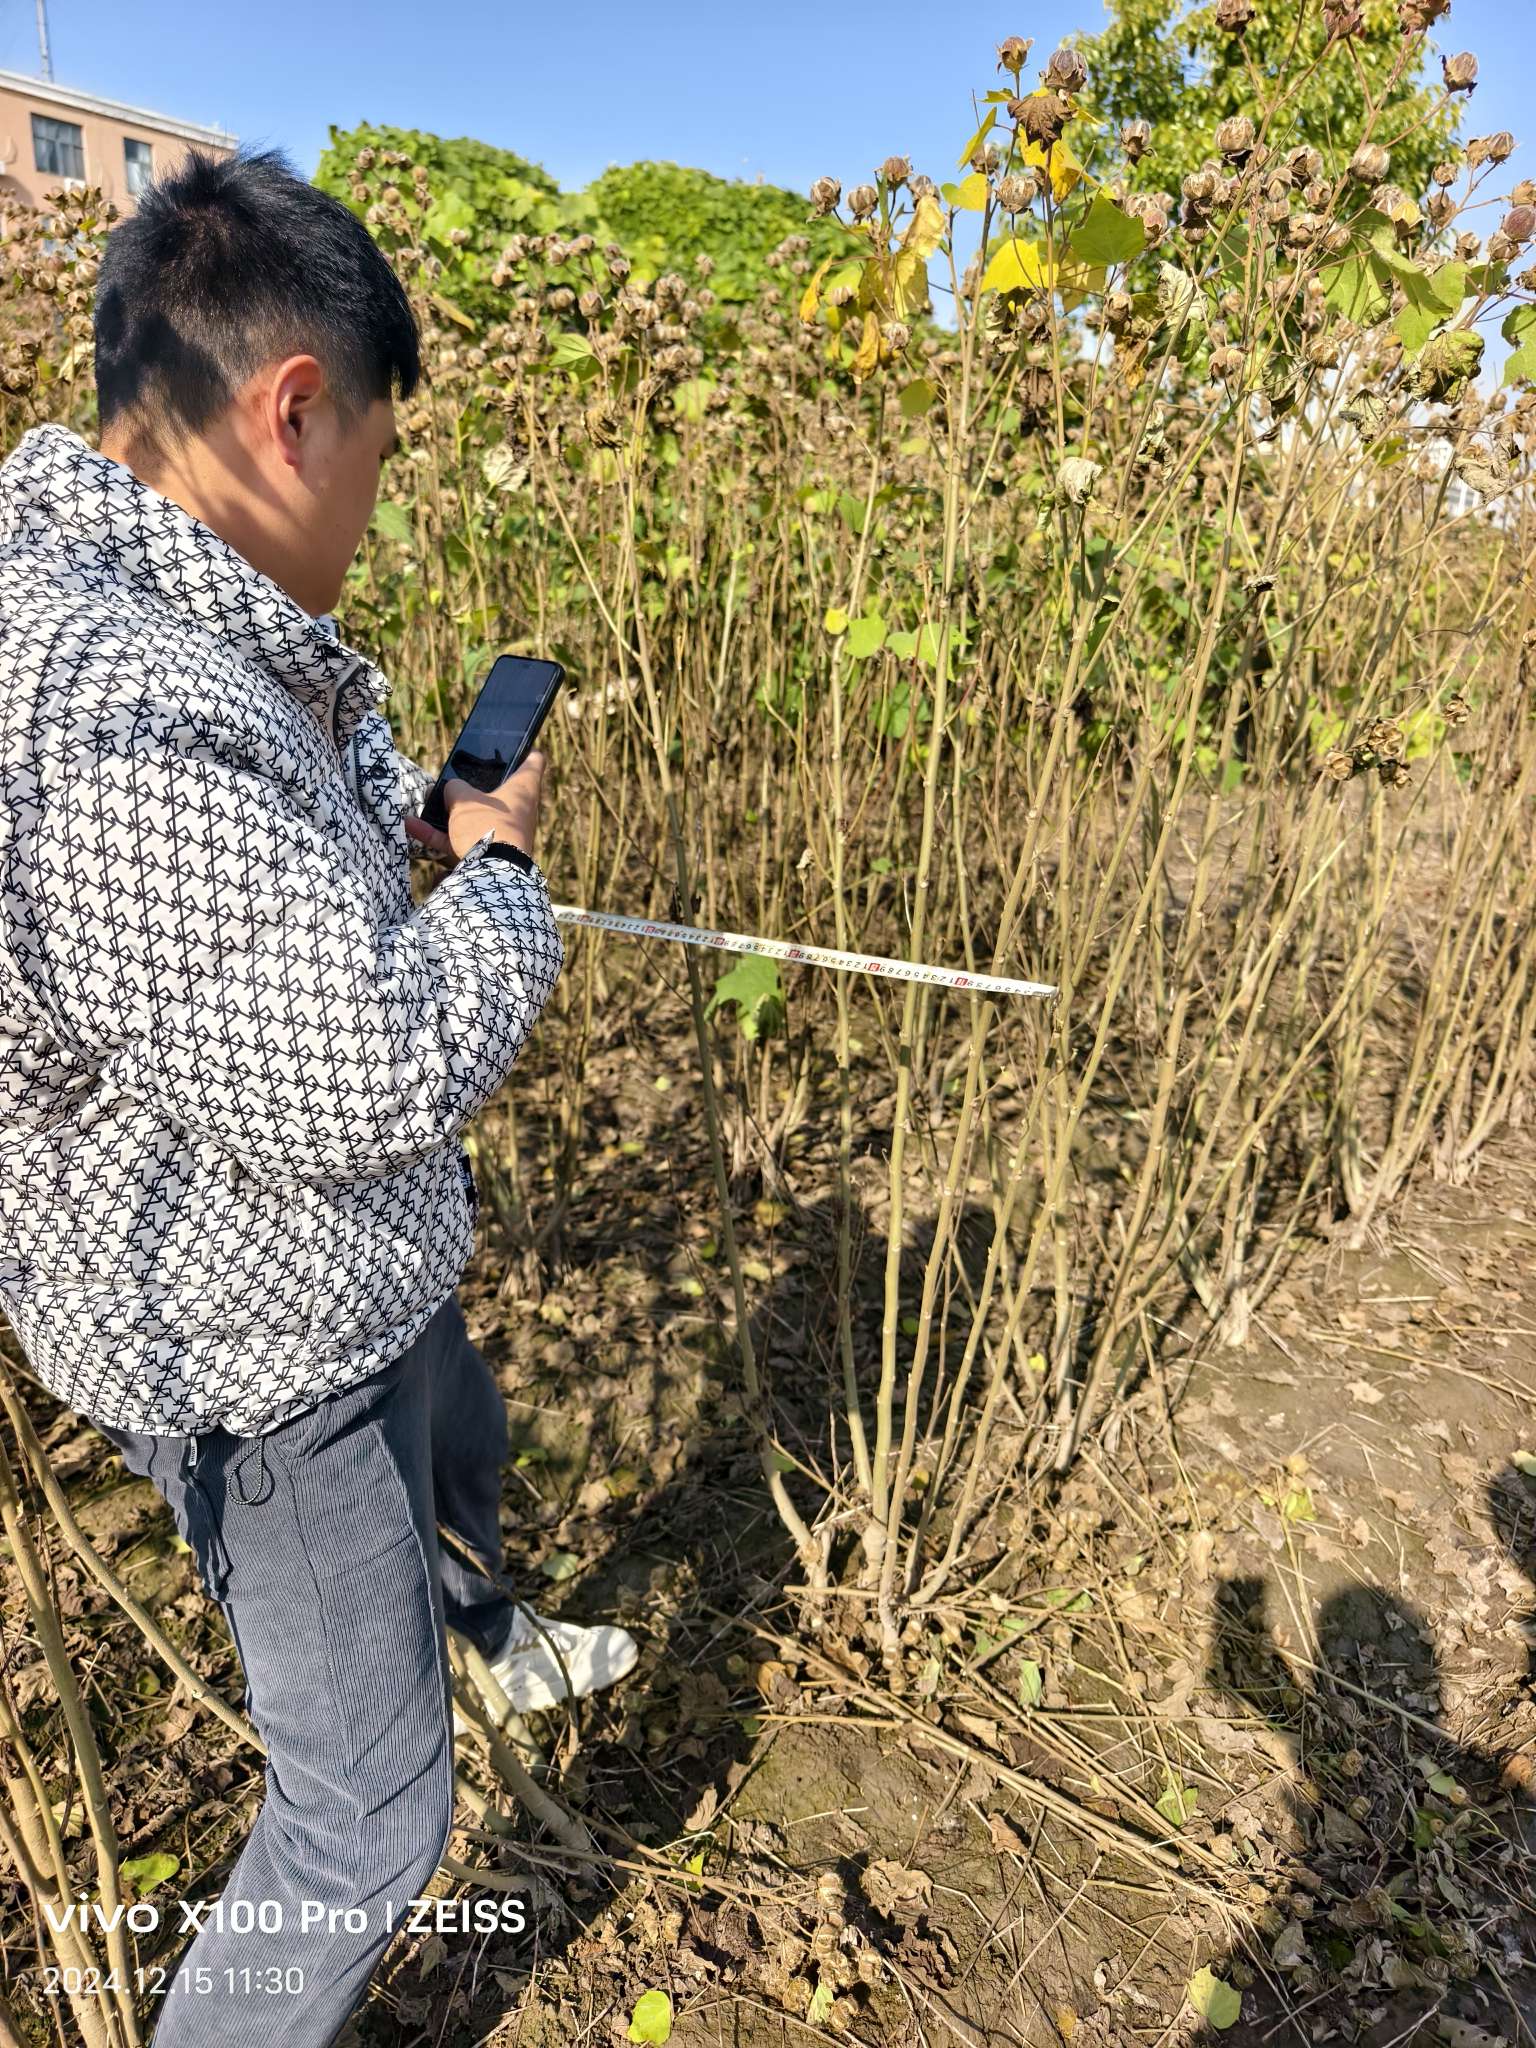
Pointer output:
1468, 247
1136, 139
1500, 247
1013, 53
1303, 165
1441, 208
1524, 193
1490, 149
1342, 18
1444, 174
825, 194
1460, 72
1385, 739
896, 335
1041, 117
591, 304
1066, 71
1414, 16
1519, 224
922, 187
1395, 203
1153, 210
1370, 163
896, 170
1016, 193
1392, 775
862, 201
1339, 764
1235, 137
1200, 189
1229, 364
1234, 15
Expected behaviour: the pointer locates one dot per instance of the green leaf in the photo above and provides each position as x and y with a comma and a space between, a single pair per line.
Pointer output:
1031, 1683
393, 521
1068, 1599
572, 352
1520, 329
690, 399
651, 2019
821, 2003
916, 398
866, 636
753, 985
1298, 1505
1107, 235
1217, 2003
560, 1564
1524, 1461
1353, 290
836, 621
1178, 1803
901, 644
145, 1872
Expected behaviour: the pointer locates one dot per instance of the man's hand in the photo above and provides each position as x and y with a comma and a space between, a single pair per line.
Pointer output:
510, 812
438, 844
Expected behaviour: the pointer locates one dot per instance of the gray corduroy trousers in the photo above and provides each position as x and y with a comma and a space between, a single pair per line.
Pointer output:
319, 1540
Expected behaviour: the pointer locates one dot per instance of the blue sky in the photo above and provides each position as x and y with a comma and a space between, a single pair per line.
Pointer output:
786, 90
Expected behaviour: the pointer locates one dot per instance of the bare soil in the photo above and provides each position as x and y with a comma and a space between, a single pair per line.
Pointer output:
1251, 1693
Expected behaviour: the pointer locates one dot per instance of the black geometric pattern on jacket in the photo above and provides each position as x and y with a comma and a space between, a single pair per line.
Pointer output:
234, 1057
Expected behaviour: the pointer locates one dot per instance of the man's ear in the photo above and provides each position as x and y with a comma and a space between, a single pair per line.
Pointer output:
293, 391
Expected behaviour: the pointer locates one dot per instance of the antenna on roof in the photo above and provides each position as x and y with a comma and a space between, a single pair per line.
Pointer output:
43, 51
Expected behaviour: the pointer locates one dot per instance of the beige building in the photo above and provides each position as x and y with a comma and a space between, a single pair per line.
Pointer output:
52, 137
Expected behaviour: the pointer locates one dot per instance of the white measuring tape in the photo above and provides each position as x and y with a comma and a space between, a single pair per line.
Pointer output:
807, 956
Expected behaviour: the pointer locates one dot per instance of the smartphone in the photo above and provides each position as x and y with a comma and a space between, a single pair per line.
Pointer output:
513, 703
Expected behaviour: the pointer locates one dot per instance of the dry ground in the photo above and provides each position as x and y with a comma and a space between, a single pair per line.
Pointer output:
1252, 1693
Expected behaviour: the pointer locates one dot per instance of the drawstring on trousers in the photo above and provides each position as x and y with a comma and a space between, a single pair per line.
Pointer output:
263, 1477
217, 1561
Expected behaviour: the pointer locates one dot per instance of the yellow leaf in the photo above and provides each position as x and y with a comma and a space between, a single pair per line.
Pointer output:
867, 354
446, 307
979, 137
925, 230
970, 193
1019, 267
812, 296
909, 282
1059, 160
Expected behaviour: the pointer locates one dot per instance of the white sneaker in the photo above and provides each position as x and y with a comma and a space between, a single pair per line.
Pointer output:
528, 1673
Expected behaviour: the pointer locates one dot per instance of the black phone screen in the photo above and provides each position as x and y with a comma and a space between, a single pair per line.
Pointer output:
499, 731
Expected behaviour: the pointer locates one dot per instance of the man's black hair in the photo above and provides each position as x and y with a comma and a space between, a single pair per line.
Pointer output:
228, 264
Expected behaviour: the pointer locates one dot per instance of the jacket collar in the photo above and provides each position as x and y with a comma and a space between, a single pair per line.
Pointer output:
56, 492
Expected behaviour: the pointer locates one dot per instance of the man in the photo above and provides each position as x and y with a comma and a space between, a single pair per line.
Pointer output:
234, 1057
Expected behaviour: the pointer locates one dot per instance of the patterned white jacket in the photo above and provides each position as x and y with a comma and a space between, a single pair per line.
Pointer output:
234, 1057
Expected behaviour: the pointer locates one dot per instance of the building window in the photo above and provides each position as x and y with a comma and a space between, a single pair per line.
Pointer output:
139, 163
58, 147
